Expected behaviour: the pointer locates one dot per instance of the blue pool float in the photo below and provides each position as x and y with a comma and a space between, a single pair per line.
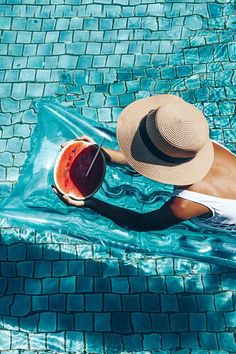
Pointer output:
32, 202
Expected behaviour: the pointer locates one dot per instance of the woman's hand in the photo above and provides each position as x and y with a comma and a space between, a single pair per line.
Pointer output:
68, 200
80, 138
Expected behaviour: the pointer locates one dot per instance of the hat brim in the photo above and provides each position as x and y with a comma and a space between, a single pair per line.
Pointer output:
147, 164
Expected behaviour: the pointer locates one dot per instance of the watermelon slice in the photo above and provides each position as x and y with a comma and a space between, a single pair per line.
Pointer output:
71, 167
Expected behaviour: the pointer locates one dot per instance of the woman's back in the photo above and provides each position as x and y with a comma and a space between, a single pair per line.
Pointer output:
221, 179
216, 193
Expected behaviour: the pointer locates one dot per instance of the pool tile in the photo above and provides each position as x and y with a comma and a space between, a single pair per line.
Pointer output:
215, 10
228, 281
112, 302
25, 268
9, 105
194, 283
226, 341
18, 23
9, 37
165, 266
94, 343
24, 37
18, 91
99, 61
50, 285
32, 25
208, 341
151, 342
3, 253
102, 285
74, 341
170, 341
29, 324
102, 322
17, 252
120, 285
169, 303
205, 302
74, 48
68, 251
197, 322
75, 302
93, 302
211, 283
133, 342
190, 340
223, 301
76, 267
174, 284
84, 284
5, 62
60, 268
48, 25
67, 61
138, 284
230, 319
113, 341
5, 90
141, 322
12, 174
113, 61
215, 321
3, 285
42, 269
90, 24
84, 321
141, 10
35, 63
40, 302
94, 10
43, 75
38, 37
21, 305
5, 304
19, 340
121, 322
37, 341
22, 131
47, 322
62, 24
65, 322
179, 322
187, 303
34, 252
76, 23
131, 302
58, 302
107, 48
6, 159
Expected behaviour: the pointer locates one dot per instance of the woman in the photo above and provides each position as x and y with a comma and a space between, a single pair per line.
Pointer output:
167, 140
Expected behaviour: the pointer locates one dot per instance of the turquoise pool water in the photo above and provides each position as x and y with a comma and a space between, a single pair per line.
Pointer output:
65, 292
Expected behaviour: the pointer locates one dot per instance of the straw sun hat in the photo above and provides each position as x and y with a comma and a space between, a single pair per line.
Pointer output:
166, 139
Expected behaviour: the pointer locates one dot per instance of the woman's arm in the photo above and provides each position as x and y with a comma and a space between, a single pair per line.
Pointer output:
114, 156
172, 212
156, 220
